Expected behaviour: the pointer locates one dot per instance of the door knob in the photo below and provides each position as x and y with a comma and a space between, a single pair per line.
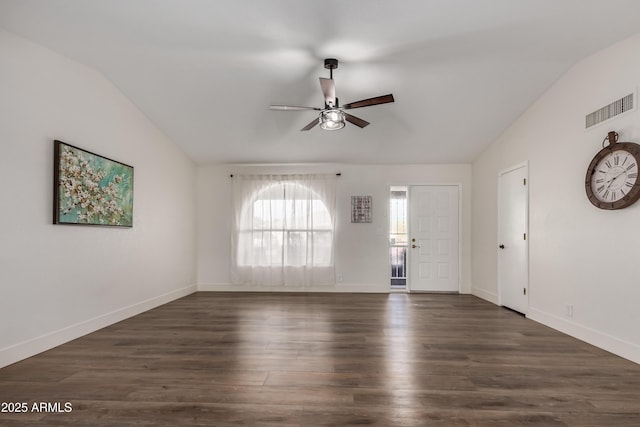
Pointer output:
501, 246
415, 246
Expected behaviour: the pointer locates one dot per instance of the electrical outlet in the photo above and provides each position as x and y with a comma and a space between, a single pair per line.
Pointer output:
339, 278
569, 310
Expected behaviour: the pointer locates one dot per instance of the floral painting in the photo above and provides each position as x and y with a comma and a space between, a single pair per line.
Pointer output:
91, 189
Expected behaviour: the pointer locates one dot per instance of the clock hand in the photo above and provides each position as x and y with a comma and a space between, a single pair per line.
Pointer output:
618, 175
613, 179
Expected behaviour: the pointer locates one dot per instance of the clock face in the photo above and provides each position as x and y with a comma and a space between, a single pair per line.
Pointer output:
612, 177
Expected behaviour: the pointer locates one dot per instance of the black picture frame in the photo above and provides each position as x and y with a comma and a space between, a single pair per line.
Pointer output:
90, 189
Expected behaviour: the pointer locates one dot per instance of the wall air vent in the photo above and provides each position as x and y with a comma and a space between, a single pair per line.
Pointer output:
607, 112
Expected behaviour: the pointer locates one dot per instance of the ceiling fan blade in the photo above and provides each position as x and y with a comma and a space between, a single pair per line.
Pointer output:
291, 108
311, 125
356, 120
368, 102
328, 90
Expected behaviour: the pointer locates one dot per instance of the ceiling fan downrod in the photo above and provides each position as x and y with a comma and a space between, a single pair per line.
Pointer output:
331, 64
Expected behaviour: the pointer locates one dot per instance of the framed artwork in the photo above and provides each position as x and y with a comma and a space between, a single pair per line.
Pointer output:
89, 189
360, 208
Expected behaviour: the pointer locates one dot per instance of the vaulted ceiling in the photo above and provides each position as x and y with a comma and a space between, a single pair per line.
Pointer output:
205, 71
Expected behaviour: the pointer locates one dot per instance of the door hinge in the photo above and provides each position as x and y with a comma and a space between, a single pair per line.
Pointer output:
524, 181
524, 236
524, 291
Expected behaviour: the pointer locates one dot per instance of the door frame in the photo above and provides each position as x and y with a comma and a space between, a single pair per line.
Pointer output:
458, 185
524, 164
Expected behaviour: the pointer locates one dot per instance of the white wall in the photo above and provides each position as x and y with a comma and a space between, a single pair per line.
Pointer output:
58, 282
579, 255
361, 250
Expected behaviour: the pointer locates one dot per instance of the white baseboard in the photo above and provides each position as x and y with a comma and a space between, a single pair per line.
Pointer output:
338, 287
600, 339
31, 347
485, 295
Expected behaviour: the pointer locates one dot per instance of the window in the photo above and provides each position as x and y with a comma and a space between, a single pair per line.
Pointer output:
283, 232
398, 237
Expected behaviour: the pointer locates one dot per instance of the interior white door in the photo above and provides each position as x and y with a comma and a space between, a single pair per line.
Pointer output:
513, 247
434, 238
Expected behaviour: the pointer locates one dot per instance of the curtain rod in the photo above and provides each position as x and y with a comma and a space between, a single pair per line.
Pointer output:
337, 174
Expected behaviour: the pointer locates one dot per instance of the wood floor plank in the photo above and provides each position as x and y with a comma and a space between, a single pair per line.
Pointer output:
295, 359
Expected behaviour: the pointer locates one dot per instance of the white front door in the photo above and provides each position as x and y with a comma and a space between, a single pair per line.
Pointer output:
513, 239
434, 238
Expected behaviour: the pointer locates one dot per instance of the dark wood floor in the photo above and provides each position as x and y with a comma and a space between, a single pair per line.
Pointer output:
222, 359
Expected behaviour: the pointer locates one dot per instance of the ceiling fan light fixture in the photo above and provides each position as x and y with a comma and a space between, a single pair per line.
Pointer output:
332, 119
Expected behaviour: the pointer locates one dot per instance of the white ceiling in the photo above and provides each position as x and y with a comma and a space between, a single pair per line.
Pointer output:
205, 71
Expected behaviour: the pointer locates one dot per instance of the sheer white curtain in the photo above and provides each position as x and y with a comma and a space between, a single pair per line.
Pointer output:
283, 228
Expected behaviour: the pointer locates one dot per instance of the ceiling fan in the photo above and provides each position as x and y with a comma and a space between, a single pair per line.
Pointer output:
333, 116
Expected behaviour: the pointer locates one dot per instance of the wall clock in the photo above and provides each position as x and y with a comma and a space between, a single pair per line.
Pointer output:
612, 176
